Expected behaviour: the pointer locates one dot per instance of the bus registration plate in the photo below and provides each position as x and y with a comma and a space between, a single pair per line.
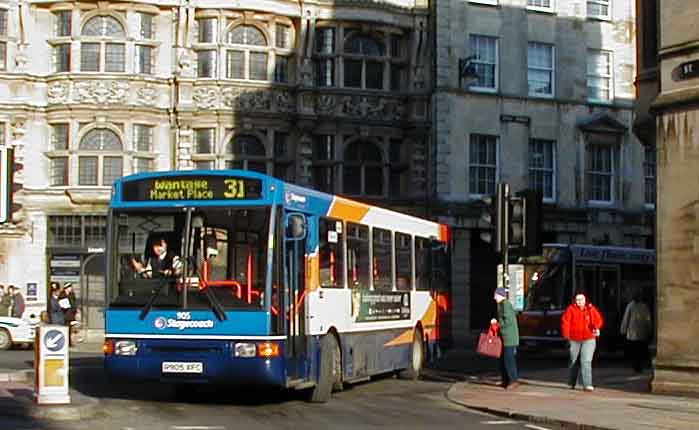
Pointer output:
182, 367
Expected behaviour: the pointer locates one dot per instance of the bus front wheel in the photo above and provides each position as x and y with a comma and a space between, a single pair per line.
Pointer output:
417, 358
328, 363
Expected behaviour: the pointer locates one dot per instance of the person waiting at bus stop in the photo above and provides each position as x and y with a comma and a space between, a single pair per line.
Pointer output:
509, 331
160, 263
581, 324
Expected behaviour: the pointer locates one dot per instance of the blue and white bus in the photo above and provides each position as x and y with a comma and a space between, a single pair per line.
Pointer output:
276, 284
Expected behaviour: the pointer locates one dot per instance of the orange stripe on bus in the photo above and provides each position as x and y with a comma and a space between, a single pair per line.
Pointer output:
402, 339
348, 210
443, 233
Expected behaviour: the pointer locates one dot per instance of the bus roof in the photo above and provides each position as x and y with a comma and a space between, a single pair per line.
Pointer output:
271, 190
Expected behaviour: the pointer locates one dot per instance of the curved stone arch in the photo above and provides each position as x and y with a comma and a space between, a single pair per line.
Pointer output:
221, 150
85, 19
94, 126
243, 22
379, 144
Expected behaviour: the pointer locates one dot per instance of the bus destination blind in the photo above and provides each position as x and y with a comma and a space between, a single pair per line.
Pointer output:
191, 188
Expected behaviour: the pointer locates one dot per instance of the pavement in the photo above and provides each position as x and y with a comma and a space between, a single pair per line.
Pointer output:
17, 392
621, 399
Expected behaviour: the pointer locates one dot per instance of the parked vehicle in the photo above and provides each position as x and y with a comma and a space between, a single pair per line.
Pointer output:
15, 331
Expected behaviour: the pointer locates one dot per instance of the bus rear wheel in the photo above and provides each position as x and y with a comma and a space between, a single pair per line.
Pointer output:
328, 377
417, 358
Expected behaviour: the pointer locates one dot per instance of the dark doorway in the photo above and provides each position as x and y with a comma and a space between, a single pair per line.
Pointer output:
484, 263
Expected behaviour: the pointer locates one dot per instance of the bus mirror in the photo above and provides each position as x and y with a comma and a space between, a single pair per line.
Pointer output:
295, 226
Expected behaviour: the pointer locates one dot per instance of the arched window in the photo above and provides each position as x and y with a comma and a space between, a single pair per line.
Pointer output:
363, 169
102, 45
100, 157
246, 152
364, 67
248, 57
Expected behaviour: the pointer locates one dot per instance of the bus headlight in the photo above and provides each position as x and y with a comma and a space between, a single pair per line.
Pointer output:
244, 349
125, 347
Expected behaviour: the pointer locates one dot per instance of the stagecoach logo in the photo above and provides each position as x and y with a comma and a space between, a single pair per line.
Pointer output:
182, 322
293, 198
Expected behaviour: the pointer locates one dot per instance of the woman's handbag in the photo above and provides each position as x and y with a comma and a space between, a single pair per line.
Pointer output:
489, 343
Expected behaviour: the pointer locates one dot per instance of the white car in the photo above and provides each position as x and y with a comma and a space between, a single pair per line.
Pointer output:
15, 331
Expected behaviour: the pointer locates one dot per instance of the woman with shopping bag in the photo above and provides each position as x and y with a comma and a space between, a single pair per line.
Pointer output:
509, 332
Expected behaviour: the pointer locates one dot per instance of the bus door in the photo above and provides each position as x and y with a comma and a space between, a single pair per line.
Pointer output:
294, 291
601, 284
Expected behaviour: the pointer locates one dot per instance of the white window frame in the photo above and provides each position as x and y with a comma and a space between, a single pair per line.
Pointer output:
551, 70
553, 170
609, 76
611, 174
607, 3
473, 164
551, 8
496, 69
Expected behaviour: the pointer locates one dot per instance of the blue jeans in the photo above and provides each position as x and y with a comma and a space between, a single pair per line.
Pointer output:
508, 365
584, 350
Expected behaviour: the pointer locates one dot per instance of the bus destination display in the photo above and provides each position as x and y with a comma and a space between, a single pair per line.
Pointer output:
191, 188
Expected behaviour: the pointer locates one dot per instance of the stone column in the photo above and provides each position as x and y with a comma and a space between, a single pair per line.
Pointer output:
677, 362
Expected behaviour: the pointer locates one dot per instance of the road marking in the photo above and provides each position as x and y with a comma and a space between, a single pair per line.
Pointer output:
534, 427
198, 428
499, 422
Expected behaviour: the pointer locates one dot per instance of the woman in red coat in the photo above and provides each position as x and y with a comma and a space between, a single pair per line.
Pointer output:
581, 324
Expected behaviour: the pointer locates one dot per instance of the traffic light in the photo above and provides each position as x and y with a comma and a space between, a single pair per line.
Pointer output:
496, 218
524, 222
6, 174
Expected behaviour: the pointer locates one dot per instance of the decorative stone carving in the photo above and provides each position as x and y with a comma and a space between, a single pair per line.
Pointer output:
205, 97
101, 92
247, 100
325, 105
376, 108
146, 95
57, 92
284, 102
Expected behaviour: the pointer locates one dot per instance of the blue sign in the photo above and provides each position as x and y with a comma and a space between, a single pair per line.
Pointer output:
54, 340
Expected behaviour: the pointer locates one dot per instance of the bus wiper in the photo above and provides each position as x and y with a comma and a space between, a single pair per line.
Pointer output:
215, 305
151, 300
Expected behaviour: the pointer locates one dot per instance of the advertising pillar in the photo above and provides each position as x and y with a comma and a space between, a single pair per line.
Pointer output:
51, 365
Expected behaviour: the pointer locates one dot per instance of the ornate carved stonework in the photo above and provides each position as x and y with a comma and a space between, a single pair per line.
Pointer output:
325, 104
57, 92
376, 108
284, 102
205, 97
146, 95
101, 92
247, 100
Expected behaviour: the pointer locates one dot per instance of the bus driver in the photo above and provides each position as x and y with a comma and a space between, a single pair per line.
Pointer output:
160, 264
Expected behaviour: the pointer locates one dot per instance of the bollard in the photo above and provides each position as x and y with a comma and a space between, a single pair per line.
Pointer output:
51, 365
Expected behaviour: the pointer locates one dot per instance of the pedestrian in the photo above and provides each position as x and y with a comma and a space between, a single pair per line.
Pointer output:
17, 302
55, 311
69, 306
160, 263
637, 329
507, 322
5, 302
581, 324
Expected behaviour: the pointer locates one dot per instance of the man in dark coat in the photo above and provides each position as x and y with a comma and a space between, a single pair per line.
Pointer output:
17, 302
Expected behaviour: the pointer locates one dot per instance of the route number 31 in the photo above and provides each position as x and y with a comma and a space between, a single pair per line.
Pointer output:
235, 189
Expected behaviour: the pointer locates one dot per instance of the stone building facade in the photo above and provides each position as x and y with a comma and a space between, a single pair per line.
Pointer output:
667, 119
546, 102
334, 95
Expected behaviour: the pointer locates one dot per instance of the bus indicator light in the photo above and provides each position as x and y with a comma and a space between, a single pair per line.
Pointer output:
268, 349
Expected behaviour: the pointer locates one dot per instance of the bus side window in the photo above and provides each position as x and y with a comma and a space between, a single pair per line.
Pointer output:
422, 263
357, 256
381, 264
331, 256
404, 269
